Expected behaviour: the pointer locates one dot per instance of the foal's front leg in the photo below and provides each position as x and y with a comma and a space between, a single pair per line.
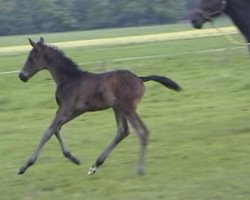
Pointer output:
53, 128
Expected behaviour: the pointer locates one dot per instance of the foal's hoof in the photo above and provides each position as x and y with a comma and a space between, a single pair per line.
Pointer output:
140, 171
92, 170
21, 171
72, 158
76, 161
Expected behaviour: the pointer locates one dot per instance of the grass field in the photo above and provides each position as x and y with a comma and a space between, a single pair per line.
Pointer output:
199, 142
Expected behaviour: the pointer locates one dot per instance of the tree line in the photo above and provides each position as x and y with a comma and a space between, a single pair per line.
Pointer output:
34, 16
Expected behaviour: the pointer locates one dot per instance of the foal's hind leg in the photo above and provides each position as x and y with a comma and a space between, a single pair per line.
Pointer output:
122, 132
142, 133
65, 151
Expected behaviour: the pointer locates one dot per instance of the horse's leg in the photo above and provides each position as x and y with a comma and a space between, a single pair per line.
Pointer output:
55, 126
65, 151
122, 132
142, 133
46, 136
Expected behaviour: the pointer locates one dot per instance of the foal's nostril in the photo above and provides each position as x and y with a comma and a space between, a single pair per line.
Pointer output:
23, 77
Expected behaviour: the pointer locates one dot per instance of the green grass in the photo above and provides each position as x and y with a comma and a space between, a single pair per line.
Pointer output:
199, 142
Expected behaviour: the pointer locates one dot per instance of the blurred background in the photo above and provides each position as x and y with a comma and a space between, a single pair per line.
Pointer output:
33, 16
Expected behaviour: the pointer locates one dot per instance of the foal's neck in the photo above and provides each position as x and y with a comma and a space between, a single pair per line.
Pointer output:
61, 67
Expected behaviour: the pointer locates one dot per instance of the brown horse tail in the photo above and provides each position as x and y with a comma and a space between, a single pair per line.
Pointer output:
163, 80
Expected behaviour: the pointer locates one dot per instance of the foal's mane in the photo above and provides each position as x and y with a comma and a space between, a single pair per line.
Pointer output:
67, 66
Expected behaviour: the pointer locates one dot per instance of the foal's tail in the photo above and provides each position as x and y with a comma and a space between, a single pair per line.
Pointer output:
163, 80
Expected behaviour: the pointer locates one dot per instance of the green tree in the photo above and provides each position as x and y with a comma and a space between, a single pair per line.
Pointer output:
32, 16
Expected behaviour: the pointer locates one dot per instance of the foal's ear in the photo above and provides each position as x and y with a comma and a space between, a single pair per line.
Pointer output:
33, 44
41, 41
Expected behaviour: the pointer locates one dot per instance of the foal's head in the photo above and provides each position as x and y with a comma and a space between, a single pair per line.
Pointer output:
35, 61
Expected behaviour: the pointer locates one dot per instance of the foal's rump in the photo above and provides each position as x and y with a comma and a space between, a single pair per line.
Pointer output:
128, 88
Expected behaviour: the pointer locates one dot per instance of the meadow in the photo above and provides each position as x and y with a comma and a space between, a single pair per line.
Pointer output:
199, 138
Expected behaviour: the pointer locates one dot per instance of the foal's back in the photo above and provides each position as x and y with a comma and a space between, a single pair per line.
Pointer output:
121, 89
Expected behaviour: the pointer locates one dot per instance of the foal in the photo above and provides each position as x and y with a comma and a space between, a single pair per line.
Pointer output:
79, 92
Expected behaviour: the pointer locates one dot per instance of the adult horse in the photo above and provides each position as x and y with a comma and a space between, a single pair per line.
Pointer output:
237, 10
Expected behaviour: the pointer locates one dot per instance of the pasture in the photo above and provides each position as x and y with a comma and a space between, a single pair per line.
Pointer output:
199, 138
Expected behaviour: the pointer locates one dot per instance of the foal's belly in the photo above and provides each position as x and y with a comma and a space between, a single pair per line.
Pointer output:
93, 105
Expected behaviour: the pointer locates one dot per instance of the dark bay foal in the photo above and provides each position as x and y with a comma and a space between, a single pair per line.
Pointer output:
79, 92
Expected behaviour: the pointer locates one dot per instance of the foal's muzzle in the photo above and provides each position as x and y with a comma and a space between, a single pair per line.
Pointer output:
23, 77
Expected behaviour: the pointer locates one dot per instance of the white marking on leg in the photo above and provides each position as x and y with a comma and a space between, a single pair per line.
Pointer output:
92, 170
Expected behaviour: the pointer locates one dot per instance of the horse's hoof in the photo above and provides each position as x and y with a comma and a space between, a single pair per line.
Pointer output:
21, 171
72, 158
140, 171
76, 161
92, 170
